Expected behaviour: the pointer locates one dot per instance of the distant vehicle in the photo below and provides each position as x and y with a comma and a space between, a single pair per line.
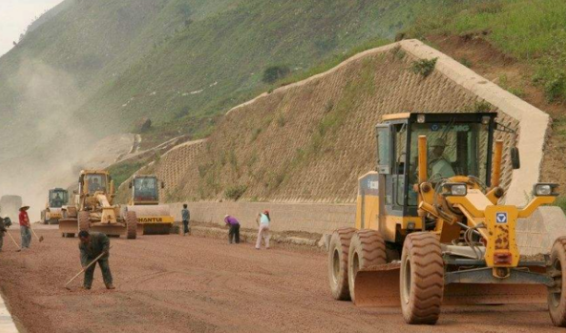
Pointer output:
153, 218
10, 206
58, 199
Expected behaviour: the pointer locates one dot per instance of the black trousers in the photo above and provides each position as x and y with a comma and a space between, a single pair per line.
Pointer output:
234, 234
186, 227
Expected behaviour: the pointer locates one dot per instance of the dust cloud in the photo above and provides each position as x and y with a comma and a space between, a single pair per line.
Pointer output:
42, 145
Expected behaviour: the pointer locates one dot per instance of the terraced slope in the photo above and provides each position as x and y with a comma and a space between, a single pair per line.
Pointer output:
312, 140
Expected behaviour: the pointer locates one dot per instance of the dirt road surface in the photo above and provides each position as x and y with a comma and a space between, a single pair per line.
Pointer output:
190, 284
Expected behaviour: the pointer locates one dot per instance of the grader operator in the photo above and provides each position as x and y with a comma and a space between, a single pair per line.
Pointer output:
430, 229
96, 211
153, 217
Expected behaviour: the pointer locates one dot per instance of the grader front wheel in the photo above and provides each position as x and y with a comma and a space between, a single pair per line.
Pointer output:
422, 278
367, 248
557, 295
338, 263
84, 221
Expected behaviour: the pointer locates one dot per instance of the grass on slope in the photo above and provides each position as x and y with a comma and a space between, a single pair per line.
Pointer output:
530, 30
211, 65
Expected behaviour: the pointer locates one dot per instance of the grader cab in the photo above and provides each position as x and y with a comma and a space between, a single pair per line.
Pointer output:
430, 229
153, 218
96, 211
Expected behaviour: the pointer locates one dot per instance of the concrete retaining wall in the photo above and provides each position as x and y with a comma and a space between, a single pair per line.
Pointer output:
314, 218
535, 234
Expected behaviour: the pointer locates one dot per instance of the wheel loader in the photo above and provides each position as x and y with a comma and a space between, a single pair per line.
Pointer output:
153, 218
95, 210
431, 229
56, 201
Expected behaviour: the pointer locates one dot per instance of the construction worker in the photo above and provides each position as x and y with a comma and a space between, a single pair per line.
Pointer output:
91, 246
186, 215
263, 220
25, 227
3, 230
439, 166
234, 232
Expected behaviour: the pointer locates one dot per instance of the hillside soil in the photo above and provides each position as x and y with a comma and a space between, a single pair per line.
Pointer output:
476, 52
190, 284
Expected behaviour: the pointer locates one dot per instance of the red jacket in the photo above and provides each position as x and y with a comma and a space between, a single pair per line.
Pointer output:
24, 219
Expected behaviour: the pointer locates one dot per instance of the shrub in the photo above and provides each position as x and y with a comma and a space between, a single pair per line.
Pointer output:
561, 202
274, 73
424, 67
466, 62
235, 192
555, 87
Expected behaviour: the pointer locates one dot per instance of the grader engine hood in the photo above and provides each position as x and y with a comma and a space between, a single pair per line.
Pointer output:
496, 223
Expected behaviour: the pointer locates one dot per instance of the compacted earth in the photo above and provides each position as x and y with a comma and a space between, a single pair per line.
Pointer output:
191, 284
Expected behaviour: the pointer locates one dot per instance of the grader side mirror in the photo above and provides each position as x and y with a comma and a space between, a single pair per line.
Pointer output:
515, 158
130, 185
162, 185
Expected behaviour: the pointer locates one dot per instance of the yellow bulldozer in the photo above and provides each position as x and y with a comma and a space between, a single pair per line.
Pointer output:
430, 228
56, 201
95, 208
153, 218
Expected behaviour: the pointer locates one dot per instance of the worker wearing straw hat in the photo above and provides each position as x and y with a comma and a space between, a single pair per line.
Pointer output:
25, 227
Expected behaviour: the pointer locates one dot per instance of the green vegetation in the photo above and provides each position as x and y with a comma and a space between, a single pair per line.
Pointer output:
532, 31
424, 67
235, 192
122, 171
561, 202
274, 73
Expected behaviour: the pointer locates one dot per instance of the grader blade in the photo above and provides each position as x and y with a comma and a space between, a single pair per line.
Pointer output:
378, 286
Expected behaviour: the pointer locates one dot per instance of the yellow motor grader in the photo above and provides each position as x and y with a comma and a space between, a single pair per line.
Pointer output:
153, 218
430, 229
57, 200
95, 208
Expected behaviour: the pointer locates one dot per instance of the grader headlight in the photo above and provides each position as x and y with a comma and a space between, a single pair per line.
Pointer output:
455, 189
545, 190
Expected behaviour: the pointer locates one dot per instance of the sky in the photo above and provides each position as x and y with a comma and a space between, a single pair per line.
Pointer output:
16, 15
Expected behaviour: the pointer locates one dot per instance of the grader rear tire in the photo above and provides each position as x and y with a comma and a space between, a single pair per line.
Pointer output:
422, 278
367, 248
557, 298
338, 263
84, 221
131, 225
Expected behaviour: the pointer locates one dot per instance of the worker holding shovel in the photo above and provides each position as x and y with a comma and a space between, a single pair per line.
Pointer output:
95, 247
25, 227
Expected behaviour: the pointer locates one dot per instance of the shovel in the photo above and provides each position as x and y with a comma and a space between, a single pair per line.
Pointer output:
40, 238
85, 268
13, 240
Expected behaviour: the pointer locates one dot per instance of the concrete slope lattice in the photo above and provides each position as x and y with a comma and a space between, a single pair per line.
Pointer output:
310, 141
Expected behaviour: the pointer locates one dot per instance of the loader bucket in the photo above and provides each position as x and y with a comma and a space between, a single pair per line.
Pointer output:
68, 226
379, 286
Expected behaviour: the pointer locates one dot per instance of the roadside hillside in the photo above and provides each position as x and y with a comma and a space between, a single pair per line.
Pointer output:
521, 46
309, 142
88, 69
